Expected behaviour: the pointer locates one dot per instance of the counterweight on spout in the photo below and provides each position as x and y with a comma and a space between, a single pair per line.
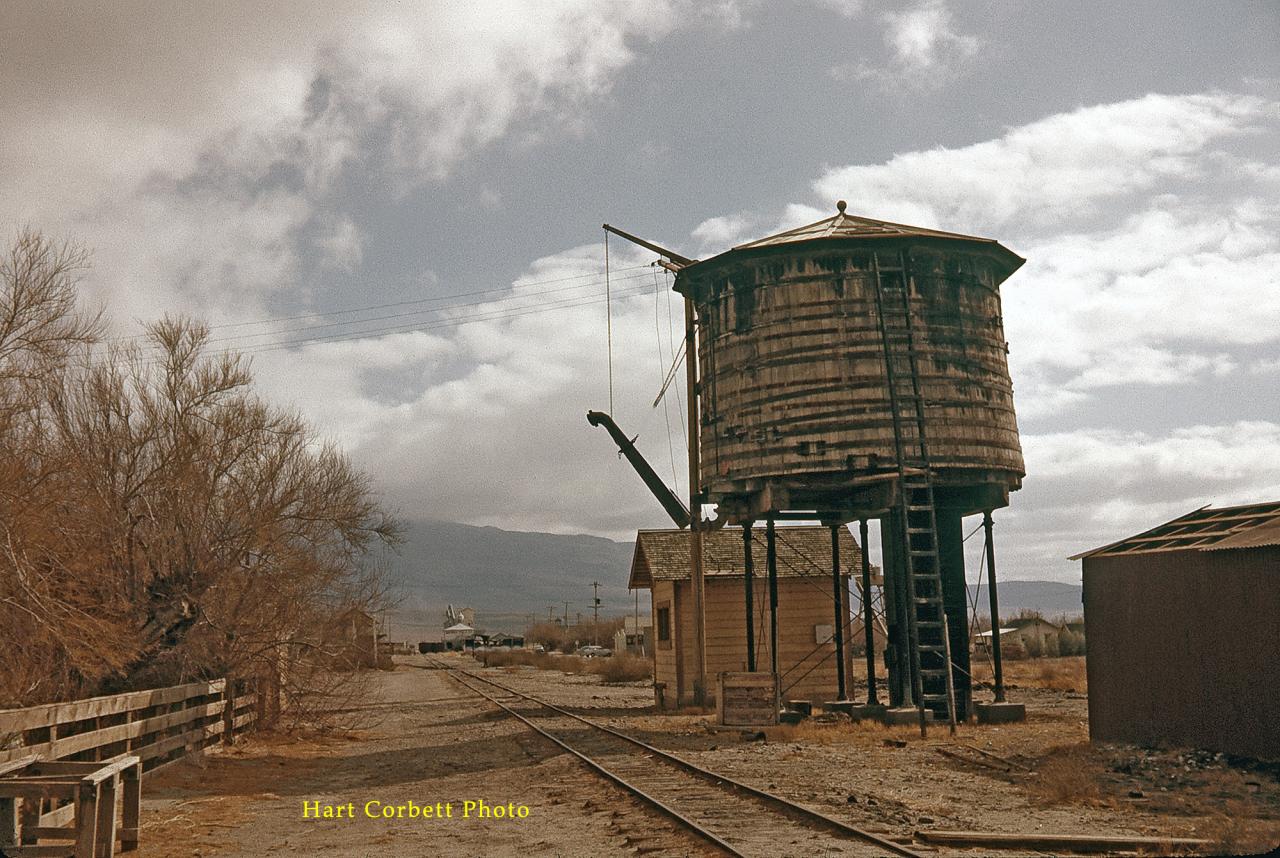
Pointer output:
678, 511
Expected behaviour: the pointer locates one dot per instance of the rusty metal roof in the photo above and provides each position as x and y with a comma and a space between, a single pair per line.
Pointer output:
802, 551
1204, 529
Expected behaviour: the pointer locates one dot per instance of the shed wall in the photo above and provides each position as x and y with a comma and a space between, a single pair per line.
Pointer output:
802, 604
1184, 649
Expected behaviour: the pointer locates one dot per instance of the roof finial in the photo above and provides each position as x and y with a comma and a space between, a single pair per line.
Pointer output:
841, 205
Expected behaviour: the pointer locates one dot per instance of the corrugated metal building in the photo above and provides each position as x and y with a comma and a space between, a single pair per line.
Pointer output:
1184, 633
806, 607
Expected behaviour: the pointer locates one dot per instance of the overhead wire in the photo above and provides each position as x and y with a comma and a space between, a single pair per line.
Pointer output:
666, 411
498, 314
608, 317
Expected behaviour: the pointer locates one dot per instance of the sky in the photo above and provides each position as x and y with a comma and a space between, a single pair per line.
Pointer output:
395, 210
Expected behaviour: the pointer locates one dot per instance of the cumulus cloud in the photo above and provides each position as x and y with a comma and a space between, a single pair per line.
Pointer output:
925, 49
199, 153
1056, 171
490, 427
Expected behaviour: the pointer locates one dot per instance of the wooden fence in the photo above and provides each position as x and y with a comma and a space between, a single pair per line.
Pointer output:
155, 727
160, 725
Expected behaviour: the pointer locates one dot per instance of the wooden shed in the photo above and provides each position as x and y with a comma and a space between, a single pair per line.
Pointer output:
806, 608
1184, 633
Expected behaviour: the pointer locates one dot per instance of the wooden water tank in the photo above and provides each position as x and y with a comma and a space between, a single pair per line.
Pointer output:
793, 393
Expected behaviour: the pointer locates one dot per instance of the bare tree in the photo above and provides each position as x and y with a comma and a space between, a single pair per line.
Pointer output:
162, 522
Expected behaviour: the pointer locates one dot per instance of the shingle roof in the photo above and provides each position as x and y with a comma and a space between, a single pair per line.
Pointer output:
1204, 529
802, 551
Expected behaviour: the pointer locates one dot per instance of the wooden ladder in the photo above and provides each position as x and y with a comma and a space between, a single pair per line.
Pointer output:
932, 683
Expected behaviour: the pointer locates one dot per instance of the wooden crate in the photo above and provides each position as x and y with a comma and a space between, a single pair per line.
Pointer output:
83, 797
746, 699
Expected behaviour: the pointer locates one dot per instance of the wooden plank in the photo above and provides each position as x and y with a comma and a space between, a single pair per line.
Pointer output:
58, 817
43, 851
131, 808
1064, 842
159, 748
105, 847
15, 765
38, 789
107, 735
113, 768
36, 717
86, 820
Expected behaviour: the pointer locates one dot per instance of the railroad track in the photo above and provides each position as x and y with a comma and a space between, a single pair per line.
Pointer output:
737, 818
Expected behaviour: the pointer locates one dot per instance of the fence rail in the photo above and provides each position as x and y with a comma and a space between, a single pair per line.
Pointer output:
159, 725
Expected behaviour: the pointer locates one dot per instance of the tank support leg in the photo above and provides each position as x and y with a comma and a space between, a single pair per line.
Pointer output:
748, 586
867, 615
841, 614
771, 553
995, 606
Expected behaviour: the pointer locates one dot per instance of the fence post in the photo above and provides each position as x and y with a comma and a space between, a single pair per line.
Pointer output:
229, 711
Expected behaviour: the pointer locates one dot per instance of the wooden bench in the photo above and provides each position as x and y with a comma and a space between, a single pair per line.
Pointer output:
83, 798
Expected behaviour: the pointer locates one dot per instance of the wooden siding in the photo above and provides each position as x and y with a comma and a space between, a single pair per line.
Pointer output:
802, 604
793, 367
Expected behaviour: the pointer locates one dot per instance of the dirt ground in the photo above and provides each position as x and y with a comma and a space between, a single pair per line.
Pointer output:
430, 741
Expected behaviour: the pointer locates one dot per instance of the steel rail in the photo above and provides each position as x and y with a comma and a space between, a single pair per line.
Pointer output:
617, 779
706, 774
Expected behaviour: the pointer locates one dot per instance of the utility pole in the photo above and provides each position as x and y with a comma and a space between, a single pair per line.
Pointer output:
566, 615
695, 506
550, 613
595, 597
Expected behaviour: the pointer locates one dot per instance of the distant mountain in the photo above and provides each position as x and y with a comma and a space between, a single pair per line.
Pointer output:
507, 576
1048, 597
513, 577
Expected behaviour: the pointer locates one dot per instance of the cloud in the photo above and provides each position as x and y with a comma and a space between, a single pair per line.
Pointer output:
1090, 486
201, 154
1056, 171
489, 425
926, 51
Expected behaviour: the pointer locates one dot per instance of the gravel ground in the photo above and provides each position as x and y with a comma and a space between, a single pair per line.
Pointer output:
436, 742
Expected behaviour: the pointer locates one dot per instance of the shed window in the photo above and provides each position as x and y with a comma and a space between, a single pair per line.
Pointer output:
664, 624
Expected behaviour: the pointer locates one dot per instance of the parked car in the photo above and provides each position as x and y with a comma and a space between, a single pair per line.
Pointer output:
592, 651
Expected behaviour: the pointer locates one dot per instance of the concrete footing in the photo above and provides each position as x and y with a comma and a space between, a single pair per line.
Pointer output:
906, 716
857, 711
1000, 713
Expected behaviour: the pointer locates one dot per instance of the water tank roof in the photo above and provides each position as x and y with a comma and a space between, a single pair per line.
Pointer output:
847, 226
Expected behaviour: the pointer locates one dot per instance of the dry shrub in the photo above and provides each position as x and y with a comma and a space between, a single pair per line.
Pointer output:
812, 732
1060, 674
1068, 775
1234, 830
1067, 673
618, 668
626, 667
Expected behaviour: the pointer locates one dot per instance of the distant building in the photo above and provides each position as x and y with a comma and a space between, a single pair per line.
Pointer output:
459, 636
634, 637
806, 608
1036, 634
1184, 633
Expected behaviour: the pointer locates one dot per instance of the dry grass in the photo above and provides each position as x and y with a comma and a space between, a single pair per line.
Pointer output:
1057, 674
1233, 830
1070, 774
838, 733
619, 668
